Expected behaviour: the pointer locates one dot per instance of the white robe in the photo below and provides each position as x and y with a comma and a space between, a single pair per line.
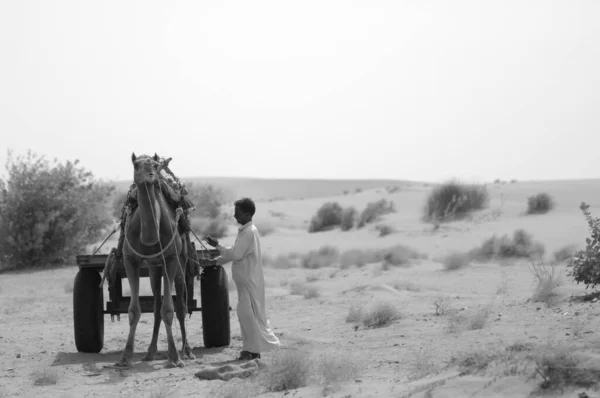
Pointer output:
247, 272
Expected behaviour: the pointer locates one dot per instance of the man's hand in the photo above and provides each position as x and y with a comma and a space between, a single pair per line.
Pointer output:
211, 241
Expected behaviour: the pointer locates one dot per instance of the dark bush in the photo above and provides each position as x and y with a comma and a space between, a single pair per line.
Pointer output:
453, 200
49, 211
586, 263
328, 216
539, 204
374, 210
521, 245
348, 218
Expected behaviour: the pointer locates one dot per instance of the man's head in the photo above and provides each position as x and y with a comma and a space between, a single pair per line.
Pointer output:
244, 210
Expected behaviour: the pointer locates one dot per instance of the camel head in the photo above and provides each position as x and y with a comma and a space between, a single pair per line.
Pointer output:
145, 168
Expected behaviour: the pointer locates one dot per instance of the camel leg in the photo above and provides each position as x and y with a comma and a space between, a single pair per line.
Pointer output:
135, 312
181, 311
167, 312
155, 274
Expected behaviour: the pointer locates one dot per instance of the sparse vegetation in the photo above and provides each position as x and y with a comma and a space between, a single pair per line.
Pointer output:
49, 211
328, 216
456, 261
539, 204
282, 261
304, 289
586, 263
378, 314
521, 245
208, 218
559, 366
565, 254
326, 256
547, 280
45, 377
375, 210
395, 255
288, 370
453, 200
472, 320
384, 229
334, 370
442, 305
349, 216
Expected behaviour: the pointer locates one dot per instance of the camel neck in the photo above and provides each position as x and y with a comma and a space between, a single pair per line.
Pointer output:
149, 209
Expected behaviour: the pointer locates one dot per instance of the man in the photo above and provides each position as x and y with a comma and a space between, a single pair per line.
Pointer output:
247, 272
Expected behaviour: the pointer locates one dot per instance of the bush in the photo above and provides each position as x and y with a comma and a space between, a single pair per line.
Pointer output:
216, 227
49, 211
521, 245
586, 263
453, 200
547, 280
324, 257
349, 216
539, 204
565, 254
456, 261
328, 216
379, 315
384, 229
288, 370
374, 210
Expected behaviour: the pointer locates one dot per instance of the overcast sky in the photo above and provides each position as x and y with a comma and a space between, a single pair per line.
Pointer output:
420, 90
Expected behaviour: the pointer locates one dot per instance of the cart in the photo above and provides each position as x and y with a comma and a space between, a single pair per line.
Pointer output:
89, 308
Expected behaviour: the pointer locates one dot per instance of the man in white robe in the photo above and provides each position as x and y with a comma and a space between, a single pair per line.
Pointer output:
247, 272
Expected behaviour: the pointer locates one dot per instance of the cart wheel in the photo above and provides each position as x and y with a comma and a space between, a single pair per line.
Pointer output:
215, 307
88, 301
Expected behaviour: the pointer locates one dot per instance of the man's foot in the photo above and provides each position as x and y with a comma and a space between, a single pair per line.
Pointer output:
247, 356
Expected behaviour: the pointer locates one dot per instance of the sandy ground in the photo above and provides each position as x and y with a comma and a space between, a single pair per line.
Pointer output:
410, 357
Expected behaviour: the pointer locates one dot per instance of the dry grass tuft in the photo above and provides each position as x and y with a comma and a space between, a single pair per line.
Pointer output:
384, 229
474, 320
520, 246
288, 370
565, 254
304, 289
559, 367
547, 280
456, 261
326, 256
408, 286
334, 370
377, 315
442, 305
45, 377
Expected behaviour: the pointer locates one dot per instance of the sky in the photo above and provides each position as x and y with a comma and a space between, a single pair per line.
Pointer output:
420, 90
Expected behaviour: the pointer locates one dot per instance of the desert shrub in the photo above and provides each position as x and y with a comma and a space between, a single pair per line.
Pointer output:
384, 229
565, 253
118, 201
49, 211
521, 245
334, 370
328, 216
215, 227
324, 257
374, 210
547, 280
473, 320
399, 255
379, 315
281, 261
539, 204
559, 367
453, 200
349, 215
288, 370
456, 261
304, 289
395, 255
358, 257
586, 263
45, 377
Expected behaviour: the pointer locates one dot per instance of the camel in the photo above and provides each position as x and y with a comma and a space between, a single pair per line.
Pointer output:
151, 235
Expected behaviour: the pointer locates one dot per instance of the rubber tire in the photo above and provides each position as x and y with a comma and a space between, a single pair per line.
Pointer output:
214, 295
88, 317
